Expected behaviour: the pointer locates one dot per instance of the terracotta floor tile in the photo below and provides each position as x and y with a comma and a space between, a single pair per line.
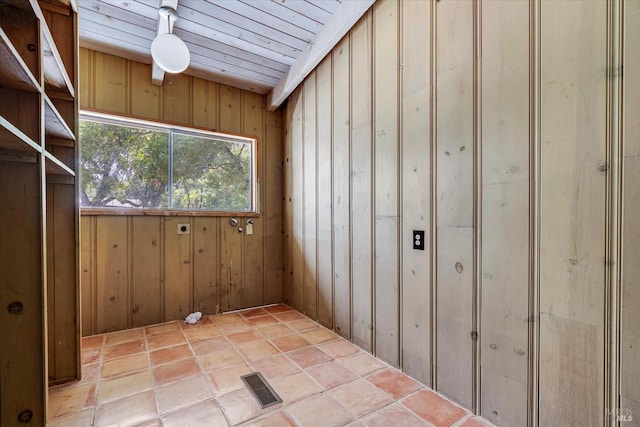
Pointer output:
235, 328
117, 388
433, 408
303, 325
170, 354
309, 356
125, 349
278, 308
339, 348
210, 345
89, 373
202, 323
256, 350
276, 331
91, 356
66, 399
123, 336
166, 340
331, 374
76, 419
294, 387
206, 332
395, 383
170, 372
290, 316
361, 397
475, 421
228, 379
206, 413
130, 411
393, 415
162, 328
291, 342
319, 335
124, 365
239, 406
242, 337
220, 359
254, 312
274, 367
362, 364
183, 393
221, 319
93, 342
320, 411
277, 419
262, 321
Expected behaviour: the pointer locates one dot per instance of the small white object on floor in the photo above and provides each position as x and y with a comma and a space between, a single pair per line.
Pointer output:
193, 317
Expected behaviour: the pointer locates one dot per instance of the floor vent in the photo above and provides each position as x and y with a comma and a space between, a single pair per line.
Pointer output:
261, 390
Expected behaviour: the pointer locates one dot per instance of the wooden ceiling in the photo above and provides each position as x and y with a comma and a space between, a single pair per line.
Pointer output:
251, 44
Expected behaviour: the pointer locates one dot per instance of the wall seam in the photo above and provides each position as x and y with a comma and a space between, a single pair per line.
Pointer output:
400, 182
433, 114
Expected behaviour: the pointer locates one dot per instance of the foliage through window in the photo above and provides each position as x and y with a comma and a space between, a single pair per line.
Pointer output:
135, 164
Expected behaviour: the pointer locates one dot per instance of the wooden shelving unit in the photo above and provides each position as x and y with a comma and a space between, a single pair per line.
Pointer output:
39, 212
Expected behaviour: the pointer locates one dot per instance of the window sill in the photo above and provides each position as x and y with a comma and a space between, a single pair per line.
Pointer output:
162, 212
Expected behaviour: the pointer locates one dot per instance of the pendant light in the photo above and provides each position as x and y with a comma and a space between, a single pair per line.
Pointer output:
168, 50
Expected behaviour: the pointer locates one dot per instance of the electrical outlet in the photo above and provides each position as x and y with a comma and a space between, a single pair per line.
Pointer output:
249, 228
184, 229
418, 240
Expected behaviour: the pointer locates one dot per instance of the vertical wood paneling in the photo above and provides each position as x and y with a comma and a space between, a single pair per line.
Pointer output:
231, 241
309, 210
341, 151
146, 271
416, 186
454, 247
145, 97
87, 274
324, 185
206, 292
253, 124
176, 107
233, 268
361, 184
630, 330
573, 103
112, 267
287, 208
178, 302
110, 84
271, 188
386, 148
205, 104
505, 200
297, 258
22, 267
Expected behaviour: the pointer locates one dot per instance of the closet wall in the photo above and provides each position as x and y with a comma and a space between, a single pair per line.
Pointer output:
136, 270
505, 131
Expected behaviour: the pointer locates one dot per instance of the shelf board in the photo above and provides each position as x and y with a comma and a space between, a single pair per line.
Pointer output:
56, 167
14, 73
12, 138
55, 125
55, 73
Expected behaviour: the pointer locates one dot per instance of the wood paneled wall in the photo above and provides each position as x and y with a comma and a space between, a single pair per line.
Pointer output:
136, 270
505, 131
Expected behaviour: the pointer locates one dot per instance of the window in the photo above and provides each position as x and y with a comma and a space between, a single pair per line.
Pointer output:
135, 164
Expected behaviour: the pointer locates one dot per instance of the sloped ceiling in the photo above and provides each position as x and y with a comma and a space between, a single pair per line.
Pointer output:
265, 46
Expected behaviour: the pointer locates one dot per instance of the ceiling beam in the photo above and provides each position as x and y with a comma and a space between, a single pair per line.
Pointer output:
336, 27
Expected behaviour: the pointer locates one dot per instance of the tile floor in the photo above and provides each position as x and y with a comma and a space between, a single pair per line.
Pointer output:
175, 374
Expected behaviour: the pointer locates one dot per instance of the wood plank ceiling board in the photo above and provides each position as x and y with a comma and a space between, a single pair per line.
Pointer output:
265, 46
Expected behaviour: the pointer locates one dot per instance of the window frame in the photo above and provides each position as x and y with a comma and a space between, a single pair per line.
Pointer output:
123, 120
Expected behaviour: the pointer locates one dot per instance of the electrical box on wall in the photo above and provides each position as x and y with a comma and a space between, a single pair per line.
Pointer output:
184, 229
418, 240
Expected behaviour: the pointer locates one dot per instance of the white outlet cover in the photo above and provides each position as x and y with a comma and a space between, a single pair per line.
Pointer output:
184, 229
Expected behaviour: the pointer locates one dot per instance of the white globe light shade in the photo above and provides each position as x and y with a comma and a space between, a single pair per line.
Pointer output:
170, 53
